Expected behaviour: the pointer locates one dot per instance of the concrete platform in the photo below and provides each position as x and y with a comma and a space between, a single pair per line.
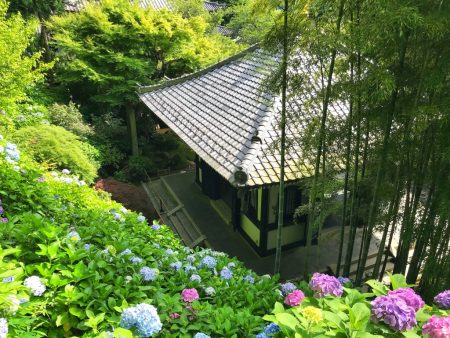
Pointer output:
220, 236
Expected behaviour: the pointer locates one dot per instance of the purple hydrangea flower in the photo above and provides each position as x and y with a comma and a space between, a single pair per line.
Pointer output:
1, 210
393, 311
41, 179
190, 259
325, 285
442, 300
226, 273
437, 327
141, 218
287, 288
156, 226
8, 279
411, 298
3, 220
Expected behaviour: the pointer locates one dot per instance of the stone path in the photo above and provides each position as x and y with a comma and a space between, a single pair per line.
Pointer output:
180, 189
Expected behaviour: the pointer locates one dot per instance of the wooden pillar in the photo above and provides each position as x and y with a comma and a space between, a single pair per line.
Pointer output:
131, 119
264, 220
235, 209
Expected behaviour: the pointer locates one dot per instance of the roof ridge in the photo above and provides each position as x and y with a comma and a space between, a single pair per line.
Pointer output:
167, 83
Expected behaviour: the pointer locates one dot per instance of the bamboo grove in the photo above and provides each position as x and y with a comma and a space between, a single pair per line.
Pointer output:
388, 63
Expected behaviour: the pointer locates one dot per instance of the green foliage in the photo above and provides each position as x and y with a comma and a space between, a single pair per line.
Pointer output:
19, 70
68, 117
107, 49
42, 9
136, 170
251, 20
88, 287
59, 149
345, 316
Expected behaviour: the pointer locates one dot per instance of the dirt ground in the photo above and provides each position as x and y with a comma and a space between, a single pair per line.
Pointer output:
133, 197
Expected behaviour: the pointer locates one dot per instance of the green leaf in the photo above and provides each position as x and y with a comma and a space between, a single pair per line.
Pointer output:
278, 308
359, 316
379, 289
287, 320
398, 281
77, 312
410, 334
53, 250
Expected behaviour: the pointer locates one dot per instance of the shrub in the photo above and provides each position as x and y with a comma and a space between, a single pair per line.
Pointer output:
137, 170
70, 118
58, 149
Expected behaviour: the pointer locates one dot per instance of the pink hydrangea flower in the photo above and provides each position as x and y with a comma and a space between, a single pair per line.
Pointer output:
189, 295
410, 297
325, 285
174, 315
294, 298
437, 327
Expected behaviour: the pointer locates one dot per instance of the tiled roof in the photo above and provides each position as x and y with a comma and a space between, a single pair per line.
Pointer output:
213, 6
77, 5
218, 110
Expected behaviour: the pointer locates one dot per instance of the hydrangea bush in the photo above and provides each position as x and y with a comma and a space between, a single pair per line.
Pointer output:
75, 263
328, 309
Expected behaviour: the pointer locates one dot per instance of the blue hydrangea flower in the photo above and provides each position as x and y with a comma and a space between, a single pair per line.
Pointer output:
148, 274
156, 226
3, 328
73, 236
124, 210
176, 265
226, 273
41, 179
169, 252
201, 335
136, 260
189, 268
209, 262
344, 280
8, 279
262, 335
195, 278
128, 318
144, 318
190, 259
125, 252
249, 279
65, 171
157, 246
35, 285
87, 247
141, 218
271, 329
287, 288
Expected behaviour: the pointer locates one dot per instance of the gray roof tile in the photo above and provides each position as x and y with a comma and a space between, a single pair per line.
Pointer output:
216, 112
